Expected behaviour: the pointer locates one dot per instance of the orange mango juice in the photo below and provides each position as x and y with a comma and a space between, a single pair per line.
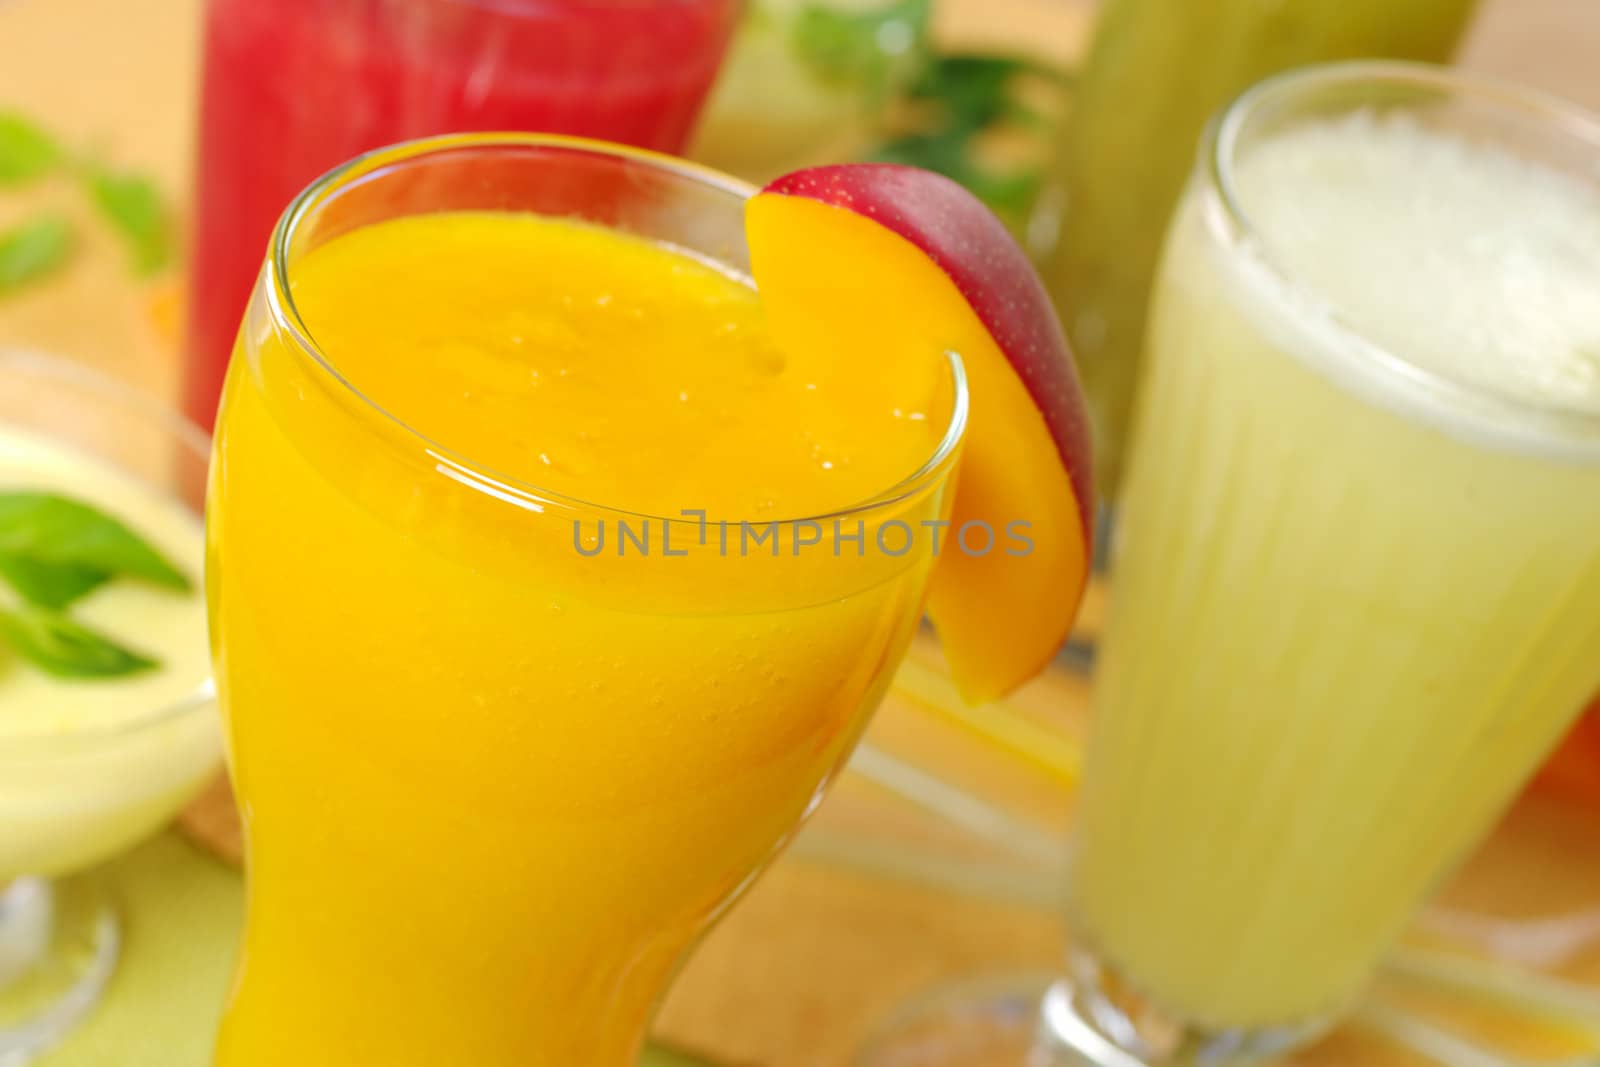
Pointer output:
500, 762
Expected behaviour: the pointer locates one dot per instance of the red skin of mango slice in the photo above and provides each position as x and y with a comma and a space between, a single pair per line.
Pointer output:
951, 277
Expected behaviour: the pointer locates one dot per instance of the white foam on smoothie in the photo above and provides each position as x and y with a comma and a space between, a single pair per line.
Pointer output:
1458, 258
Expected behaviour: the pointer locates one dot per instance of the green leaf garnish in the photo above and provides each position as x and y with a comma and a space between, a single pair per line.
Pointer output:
56, 532
26, 151
133, 204
974, 90
957, 102
54, 550
66, 649
50, 585
33, 250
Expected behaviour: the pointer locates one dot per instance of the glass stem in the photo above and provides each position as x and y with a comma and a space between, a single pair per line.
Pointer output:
26, 909
58, 946
1096, 1017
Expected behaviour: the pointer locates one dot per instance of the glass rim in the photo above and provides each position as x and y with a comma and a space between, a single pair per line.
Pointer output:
190, 437
519, 491
1547, 112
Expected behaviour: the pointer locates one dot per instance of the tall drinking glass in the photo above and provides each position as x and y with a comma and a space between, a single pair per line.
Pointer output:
1357, 583
499, 762
295, 87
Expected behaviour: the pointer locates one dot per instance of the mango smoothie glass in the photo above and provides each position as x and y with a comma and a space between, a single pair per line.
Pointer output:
1359, 565
89, 766
547, 595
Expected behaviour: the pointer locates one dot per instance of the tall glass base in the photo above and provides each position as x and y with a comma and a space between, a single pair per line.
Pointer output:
1087, 1020
58, 947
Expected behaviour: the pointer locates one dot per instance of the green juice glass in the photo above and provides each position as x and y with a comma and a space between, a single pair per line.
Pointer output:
1156, 71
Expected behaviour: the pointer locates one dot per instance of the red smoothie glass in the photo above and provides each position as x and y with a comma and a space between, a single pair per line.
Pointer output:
292, 88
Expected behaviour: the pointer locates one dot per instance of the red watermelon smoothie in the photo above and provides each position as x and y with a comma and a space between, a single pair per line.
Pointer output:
292, 88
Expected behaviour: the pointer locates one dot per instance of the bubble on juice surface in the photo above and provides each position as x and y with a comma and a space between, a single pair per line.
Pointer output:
1455, 256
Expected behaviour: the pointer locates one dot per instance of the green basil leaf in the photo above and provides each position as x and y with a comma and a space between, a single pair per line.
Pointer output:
50, 585
56, 530
133, 205
26, 150
33, 250
66, 649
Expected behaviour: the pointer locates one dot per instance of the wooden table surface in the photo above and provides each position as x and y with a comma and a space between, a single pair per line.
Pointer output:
815, 954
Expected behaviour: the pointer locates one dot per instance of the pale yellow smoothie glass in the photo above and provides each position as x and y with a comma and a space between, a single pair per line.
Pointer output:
74, 796
1358, 585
